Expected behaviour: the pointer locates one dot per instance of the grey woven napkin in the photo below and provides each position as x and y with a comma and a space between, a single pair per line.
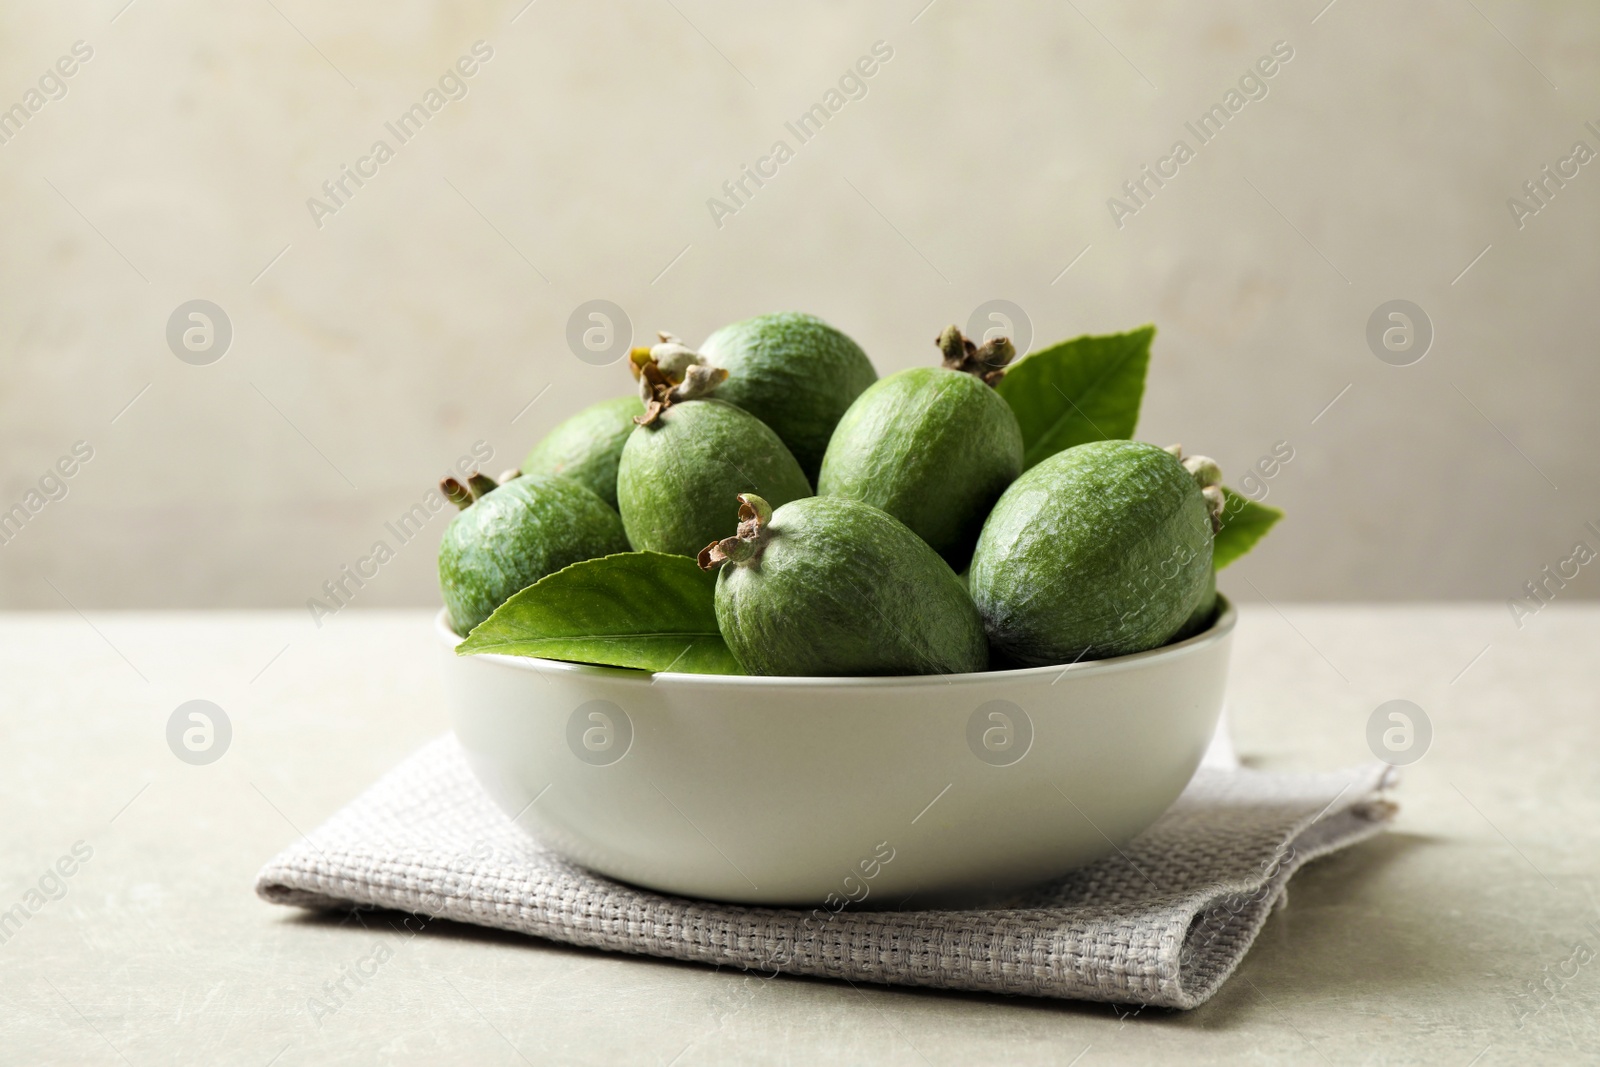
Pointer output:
1163, 922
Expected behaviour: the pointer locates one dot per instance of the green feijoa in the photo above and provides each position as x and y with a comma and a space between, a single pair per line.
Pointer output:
586, 446
832, 586
1101, 550
795, 373
933, 446
681, 473
509, 536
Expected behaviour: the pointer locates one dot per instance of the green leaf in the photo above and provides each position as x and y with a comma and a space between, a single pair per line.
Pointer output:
1244, 522
1085, 389
646, 610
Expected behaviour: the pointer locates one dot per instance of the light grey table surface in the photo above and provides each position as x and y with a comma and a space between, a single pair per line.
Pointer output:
1418, 947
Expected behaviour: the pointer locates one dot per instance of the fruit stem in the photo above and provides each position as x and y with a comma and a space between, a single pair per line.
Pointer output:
1208, 476
456, 493
744, 546
987, 361
478, 486
669, 373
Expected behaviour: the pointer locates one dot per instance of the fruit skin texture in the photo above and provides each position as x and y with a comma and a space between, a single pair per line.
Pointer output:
511, 537
679, 479
935, 448
1101, 550
1204, 614
587, 446
841, 588
795, 373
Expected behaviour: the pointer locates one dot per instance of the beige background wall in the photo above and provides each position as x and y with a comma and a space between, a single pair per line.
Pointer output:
432, 307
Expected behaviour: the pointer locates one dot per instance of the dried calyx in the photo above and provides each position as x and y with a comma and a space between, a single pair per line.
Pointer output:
671, 372
745, 545
987, 361
1208, 476
477, 486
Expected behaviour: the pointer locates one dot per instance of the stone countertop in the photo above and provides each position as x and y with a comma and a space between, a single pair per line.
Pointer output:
1423, 946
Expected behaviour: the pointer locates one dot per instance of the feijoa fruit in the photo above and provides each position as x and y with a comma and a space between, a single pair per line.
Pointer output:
509, 536
1101, 550
587, 446
832, 586
795, 373
932, 446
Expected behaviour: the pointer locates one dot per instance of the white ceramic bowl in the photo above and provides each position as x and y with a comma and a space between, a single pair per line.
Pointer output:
809, 791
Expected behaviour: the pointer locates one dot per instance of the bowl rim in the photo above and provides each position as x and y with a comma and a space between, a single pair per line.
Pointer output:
1227, 616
